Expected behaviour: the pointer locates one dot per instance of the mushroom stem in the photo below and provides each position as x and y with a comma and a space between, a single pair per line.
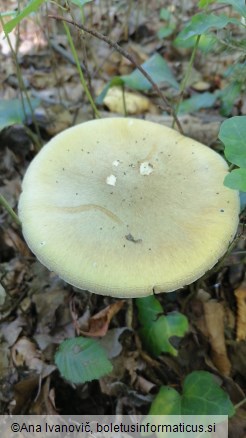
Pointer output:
127, 56
10, 210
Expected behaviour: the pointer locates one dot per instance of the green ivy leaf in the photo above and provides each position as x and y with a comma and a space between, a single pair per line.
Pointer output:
32, 6
201, 395
12, 113
233, 134
202, 23
167, 402
157, 329
81, 360
236, 180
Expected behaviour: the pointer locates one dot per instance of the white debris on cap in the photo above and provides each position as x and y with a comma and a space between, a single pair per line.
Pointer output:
146, 168
111, 180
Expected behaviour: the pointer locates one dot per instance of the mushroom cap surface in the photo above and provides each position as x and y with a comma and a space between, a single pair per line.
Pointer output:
126, 207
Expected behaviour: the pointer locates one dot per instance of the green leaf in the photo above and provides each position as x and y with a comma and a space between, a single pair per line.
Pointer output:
11, 111
242, 200
196, 102
205, 3
236, 180
201, 395
81, 360
32, 6
238, 5
167, 402
81, 3
8, 13
207, 42
116, 81
165, 14
157, 68
237, 72
165, 31
157, 329
233, 134
228, 96
202, 23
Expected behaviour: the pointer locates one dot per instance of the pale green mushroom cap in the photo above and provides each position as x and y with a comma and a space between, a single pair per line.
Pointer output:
125, 207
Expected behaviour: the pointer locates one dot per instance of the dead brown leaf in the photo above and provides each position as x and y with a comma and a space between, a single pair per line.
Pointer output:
12, 330
13, 240
45, 404
99, 323
25, 353
214, 317
24, 391
240, 295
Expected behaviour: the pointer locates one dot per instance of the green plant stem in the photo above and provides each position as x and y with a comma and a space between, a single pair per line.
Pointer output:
22, 89
124, 100
10, 210
81, 75
242, 402
187, 74
130, 58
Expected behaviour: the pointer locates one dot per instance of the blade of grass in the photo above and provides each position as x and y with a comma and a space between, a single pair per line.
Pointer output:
81, 75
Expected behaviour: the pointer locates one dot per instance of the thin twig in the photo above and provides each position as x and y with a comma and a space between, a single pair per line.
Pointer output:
130, 58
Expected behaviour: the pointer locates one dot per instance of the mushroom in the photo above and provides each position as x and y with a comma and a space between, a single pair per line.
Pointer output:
127, 208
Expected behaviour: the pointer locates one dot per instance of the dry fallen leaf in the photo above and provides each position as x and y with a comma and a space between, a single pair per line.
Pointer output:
5, 362
240, 295
45, 403
24, 391
214, 317
12, 330
25, 353
99, 323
